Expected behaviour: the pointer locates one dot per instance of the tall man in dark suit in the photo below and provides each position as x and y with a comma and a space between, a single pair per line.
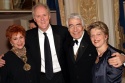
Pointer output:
35, 44
81, 54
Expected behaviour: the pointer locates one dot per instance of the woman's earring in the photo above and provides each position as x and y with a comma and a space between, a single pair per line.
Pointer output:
12, 45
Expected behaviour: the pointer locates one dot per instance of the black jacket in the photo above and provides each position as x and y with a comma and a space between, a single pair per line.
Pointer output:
13, 71
80, 71
32, 45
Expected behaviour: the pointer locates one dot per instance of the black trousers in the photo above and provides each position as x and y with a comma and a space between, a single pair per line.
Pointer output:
57, 78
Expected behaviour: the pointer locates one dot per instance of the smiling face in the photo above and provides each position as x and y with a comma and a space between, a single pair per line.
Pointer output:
17, 40
75, 28
42, 17
98, 37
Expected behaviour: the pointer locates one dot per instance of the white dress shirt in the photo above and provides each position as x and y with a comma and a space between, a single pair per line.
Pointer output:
76, 46
56, 66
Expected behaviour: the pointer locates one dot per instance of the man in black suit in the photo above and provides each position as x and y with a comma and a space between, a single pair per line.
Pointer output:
81, 53
35, 44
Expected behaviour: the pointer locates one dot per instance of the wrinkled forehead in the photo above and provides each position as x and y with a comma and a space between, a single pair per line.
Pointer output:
74, 20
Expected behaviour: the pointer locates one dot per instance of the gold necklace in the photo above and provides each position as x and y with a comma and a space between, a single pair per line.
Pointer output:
22, 55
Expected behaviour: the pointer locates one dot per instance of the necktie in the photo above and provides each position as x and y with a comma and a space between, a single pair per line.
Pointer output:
48, 58
75, 41
75, 48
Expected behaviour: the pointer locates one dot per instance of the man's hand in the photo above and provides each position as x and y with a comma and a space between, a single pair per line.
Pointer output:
117, 60
2, 62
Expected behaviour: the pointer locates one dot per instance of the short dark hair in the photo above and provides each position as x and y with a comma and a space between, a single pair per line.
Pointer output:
32, 21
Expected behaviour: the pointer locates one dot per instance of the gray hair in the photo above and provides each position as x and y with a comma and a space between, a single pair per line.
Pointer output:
74, 16
40, 5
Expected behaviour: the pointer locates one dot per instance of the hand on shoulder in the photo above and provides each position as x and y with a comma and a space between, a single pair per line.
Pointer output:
2, 62
117, 59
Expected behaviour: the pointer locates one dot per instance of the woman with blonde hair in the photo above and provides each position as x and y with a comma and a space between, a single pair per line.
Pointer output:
102, 71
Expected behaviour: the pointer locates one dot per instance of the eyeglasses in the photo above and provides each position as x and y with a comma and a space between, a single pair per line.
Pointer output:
71, 26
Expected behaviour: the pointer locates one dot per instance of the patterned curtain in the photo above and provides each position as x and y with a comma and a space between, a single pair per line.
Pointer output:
88, 10
122, 21
121, 16
120, 25
62, 12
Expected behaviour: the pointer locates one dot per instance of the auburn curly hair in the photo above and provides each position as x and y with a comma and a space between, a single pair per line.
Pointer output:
15, 29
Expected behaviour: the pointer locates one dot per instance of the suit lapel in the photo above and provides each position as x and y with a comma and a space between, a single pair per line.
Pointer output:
81, 50
71, 53
36, 36
36, 44
56, 41
33, 47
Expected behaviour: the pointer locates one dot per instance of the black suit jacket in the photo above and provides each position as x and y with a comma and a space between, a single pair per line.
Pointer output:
32, 45
13, 71
80, 69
